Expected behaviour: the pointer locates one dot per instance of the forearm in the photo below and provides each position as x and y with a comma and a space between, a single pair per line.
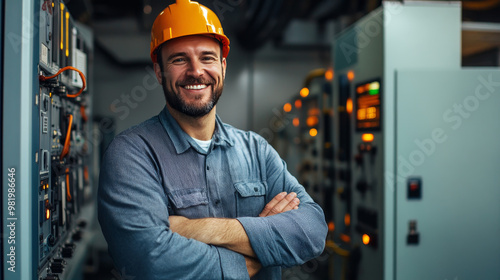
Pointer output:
287, 239
227, 233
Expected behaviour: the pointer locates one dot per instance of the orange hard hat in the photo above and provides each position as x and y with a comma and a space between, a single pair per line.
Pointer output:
186, 18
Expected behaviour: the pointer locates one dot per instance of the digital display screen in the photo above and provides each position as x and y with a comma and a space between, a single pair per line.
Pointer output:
368, 105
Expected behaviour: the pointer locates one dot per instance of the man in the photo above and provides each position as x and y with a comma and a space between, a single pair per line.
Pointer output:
185, 196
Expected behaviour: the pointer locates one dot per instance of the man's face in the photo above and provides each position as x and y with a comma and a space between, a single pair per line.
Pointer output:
193, 74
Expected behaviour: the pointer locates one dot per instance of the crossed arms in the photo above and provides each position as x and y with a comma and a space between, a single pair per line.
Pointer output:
229, 233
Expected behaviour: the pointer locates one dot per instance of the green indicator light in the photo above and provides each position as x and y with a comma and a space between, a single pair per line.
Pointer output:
373, 91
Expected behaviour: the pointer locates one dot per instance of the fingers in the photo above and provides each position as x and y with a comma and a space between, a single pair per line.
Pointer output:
286, 204
282, 202
272, 203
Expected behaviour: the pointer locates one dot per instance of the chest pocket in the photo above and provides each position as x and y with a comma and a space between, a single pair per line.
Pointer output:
190, 203
250, 198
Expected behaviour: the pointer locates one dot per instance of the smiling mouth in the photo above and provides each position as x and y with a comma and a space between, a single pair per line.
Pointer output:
195, 86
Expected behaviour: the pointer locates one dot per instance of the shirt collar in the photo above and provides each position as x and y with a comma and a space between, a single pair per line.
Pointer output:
221, 135
182, 141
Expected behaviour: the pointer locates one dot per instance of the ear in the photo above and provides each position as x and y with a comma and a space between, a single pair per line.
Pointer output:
224, 65
158, 74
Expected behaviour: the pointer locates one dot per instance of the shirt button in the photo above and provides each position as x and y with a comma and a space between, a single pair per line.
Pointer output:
217, 201
208, 167
255, 189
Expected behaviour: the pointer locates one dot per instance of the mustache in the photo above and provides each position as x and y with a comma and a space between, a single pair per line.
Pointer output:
193, 80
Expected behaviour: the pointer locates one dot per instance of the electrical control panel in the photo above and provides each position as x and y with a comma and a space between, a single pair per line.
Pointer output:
50, 152
64, 153
304, 137
414, 149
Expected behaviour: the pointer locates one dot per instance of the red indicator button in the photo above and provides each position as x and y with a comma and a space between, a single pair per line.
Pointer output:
414, 188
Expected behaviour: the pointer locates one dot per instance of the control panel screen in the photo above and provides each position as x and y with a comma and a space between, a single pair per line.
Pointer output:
368, 105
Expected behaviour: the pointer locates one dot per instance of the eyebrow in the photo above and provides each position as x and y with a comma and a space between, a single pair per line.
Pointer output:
210, 53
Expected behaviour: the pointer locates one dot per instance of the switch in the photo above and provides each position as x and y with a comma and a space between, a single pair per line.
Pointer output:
414, 186
413, 237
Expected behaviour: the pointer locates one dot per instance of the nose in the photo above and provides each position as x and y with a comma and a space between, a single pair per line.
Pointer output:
196, 68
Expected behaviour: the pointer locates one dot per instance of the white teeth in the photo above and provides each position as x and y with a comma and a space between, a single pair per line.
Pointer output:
195, 86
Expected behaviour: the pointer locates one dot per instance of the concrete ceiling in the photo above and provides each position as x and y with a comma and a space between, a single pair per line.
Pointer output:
122, 29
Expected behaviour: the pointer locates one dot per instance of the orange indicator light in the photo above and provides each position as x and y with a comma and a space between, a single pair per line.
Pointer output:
350, 75
313, 132
298, 103
346, 238
348, 105
47, 214
329, 74
367, 137
304, 92
366, 239
347, 219
287, 107
312, 121
331, 226
296, 122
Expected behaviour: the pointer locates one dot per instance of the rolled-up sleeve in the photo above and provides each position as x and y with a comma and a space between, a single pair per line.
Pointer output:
289, 238
133, 214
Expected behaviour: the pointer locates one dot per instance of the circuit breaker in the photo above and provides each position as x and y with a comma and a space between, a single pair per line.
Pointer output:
415, 145
46, 153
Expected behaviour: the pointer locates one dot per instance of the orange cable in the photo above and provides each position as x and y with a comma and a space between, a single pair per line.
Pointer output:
86, 173
43, 78
65, 150
84, 115
68, 193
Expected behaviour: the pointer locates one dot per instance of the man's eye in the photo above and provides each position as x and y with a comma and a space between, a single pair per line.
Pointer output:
208, 58
179, 60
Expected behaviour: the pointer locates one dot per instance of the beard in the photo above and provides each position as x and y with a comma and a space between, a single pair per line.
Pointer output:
193, 110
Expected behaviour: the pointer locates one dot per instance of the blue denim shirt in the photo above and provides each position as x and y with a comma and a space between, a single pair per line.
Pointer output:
155, 169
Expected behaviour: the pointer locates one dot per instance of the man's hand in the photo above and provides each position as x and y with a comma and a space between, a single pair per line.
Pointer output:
282, 202
253, 266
